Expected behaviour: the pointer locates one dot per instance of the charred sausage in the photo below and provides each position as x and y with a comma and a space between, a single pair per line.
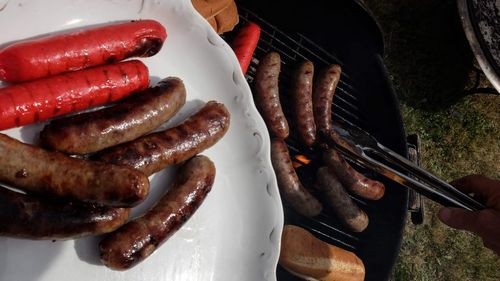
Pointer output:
289, 184
33, 169
139, 238
324, 89
267, 96
38, 100
54, 54
354, 181
347, 211
156, 151
132, 118
26, 216
301, 95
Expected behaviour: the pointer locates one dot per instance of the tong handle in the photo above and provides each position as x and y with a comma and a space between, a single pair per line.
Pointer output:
427, 177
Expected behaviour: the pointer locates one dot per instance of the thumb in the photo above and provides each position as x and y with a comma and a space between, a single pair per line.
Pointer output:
459, 218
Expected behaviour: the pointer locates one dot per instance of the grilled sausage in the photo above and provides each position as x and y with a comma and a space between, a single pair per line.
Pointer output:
25, 216
354, 181
55, 54
38, 100
139, 238
36, 170
302, 81
324, 89
267, 96
132, 118
347, 211
156, 151
289, 184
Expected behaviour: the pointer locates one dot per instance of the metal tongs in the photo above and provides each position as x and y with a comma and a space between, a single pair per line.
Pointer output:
359, 146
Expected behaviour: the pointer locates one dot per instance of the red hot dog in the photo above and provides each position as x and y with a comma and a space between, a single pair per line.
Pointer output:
39, 100
55, 54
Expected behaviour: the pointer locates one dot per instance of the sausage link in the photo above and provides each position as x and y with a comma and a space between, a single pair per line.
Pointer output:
132, 118
267, 96
302, 81
346, 210
25, 103
139, 238
36, 170
354, 181
324, 89
54, 54
289, 184
151, 153
25, 216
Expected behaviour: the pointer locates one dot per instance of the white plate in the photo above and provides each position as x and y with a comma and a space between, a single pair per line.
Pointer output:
235, 234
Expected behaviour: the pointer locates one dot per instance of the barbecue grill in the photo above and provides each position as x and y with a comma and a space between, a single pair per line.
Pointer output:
345, 33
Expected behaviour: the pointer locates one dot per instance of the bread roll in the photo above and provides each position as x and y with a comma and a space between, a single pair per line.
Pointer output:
227, 19
312, 259
210, 8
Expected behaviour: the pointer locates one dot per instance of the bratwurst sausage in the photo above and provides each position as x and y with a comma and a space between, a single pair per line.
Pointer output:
289, 184
301, 95
132, 118
324, 89
55, 54
139, 238
267, 96
151, 153
346, 210
354, 181
33, 169
25, 216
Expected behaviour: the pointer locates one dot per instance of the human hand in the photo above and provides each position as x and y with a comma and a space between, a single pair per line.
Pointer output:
484, 223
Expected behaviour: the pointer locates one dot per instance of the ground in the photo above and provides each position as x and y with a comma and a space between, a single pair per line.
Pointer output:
432, 70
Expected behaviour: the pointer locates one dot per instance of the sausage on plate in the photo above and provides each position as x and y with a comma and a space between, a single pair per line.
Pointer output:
38, 100
267, 96
26, 216
139, 238
130, 119
346, 210
36, 170
54, 54
151, 153
289, 184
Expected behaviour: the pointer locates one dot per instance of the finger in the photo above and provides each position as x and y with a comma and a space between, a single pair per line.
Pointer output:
482, 186
459, 218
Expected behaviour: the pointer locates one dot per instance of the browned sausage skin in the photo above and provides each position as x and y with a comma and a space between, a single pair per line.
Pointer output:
156, 151
289, 184
347, 211
301, 95
130, 119
266, 93
26, 216
354, 181
139, 238
324, 89
55, 174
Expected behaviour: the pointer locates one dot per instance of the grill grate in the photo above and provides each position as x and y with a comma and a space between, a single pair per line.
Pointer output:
346, 108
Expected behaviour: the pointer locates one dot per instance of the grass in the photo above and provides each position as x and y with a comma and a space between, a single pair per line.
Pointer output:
432, 67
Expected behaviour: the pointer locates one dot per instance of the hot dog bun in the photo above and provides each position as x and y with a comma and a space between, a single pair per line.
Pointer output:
210, 8
308, 257
227, 19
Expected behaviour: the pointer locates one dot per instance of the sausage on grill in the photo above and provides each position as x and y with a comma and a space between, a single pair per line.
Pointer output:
301, 94
346, 210
266, 93
289, 184
354, 181
139, 238
324, 89
130, 119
